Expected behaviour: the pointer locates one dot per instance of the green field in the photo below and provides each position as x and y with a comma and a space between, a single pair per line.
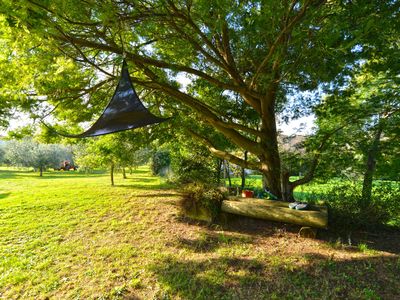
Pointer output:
73, 236
309, 191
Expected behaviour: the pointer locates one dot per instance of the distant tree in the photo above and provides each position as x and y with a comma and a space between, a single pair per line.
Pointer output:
29, 153
2, 154
111, 151
98, 152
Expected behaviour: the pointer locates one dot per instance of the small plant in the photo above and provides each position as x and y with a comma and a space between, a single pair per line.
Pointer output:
119, 290
364, 249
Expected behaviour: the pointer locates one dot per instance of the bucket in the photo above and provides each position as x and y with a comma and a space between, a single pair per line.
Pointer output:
247, 194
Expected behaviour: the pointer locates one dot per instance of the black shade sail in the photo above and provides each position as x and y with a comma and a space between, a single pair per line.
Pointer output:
125, 111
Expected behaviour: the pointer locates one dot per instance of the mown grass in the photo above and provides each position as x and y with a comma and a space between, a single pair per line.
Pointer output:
73, 236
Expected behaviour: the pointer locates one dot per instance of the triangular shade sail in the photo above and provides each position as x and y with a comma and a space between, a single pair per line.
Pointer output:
125, 111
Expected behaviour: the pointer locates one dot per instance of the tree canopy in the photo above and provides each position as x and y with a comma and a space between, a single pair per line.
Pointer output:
244, 58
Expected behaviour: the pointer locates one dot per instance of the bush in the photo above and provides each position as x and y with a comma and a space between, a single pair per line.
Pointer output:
187, 170
202, 202
194, 167
345, 210
160, 163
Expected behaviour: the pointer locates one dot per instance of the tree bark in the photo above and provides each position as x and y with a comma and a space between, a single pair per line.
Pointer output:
370, 169
218, 171
287, 187
244, 171
227, 172
270, 159
123, 173
112, 173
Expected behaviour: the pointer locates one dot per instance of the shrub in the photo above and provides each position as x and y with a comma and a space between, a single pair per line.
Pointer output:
187, 170
194, 166
345, 211
201, 201
160, 163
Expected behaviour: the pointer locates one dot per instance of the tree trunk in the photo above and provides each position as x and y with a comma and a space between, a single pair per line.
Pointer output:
219, 170
287, 187
244, 171
112, 173
123, 173
227, 170
370, 169
271, 167
41, 171
270, 159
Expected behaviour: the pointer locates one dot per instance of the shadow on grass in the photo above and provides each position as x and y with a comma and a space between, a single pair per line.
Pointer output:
141, 179
12, 174
245, 225
138, 171
387, 240
155, 195
7, 174
210, 241
319, 277
155, 186
64, 175
4, 195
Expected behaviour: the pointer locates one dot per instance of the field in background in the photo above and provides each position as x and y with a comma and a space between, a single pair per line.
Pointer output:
309, 191
69, 235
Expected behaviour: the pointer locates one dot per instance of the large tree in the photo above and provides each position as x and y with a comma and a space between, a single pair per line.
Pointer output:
244, 57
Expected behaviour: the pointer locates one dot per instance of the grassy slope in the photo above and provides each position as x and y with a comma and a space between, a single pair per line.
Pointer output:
72, 236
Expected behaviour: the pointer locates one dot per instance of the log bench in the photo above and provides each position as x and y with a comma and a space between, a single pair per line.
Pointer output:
315, 217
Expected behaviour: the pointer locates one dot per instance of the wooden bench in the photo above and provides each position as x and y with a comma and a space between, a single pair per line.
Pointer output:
316, 216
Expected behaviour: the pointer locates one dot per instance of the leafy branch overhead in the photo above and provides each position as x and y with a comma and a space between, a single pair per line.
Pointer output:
243, 59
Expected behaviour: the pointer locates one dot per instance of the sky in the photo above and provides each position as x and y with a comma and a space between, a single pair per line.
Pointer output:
301, 126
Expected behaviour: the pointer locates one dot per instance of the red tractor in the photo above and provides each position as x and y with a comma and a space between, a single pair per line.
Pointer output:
67, 166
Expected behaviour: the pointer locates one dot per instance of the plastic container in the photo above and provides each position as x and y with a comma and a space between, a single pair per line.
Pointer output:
247, 194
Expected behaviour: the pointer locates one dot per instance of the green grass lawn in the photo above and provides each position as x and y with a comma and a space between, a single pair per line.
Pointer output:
72, 236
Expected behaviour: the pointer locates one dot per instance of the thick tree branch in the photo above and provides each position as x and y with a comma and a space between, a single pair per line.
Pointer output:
148, 61
206, 112
210, 117
224, 154
314, 163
